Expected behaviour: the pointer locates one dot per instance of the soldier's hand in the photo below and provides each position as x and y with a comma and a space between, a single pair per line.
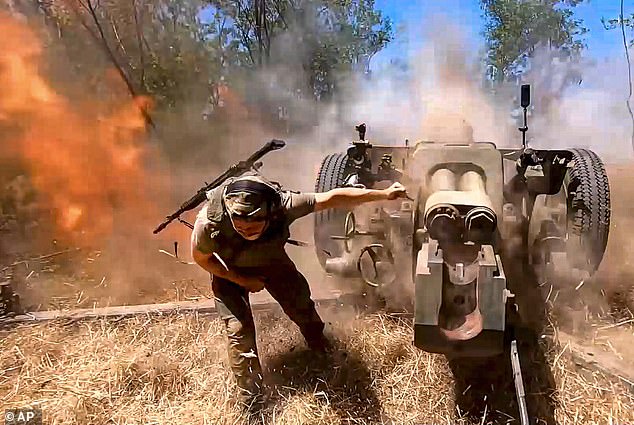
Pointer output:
396, 191
255, 284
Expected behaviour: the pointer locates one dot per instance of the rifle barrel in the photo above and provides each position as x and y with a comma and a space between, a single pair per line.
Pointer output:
233, 171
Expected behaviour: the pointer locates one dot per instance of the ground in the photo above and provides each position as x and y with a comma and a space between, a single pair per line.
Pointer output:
171, 369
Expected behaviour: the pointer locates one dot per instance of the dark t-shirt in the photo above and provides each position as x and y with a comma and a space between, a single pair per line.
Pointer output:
207, 235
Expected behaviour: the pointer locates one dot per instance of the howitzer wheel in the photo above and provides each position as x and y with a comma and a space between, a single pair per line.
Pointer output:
587, 192
580, 230
330, 222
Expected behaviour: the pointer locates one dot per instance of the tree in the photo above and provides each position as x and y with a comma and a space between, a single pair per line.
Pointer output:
515, 29
159, 48
193, 51
615, 23
336, 37
622, 22
355, 32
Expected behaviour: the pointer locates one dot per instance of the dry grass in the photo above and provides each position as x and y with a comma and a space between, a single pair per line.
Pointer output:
172, 370
589, 398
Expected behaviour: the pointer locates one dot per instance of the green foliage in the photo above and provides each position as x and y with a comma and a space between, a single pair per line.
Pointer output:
156, 45
353, 32
333, 37
163, 48
516, 28
610, 24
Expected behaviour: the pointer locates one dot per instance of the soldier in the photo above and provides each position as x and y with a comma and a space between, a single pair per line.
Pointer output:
239, 237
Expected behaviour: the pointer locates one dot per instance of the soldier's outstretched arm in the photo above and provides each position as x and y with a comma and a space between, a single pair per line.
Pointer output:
350, 197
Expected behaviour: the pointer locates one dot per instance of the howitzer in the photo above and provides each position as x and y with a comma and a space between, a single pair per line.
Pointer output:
486, 225
233, 171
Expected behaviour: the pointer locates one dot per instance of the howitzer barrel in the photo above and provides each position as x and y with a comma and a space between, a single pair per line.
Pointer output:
443, 179
471, 181
458, 208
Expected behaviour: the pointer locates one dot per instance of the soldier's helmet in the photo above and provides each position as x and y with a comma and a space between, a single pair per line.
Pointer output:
250, 200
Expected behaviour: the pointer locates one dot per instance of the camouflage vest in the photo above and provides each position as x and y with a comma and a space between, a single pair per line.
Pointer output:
237, 251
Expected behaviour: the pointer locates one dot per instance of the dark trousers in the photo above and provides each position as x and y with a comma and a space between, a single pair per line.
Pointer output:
290, 289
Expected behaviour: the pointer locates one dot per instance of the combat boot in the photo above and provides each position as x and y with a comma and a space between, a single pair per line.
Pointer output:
249, 380
320, 340
319, 343
245, 364
251, 404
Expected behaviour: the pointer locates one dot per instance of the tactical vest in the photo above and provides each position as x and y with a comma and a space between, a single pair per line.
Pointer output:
233, 248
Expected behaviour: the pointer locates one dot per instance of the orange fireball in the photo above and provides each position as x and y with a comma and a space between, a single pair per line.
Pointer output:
86, 161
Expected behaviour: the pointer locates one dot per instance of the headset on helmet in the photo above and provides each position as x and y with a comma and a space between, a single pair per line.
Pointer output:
256, 185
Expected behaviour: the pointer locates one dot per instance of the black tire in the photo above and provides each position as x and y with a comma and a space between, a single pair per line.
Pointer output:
588, 210
330, 222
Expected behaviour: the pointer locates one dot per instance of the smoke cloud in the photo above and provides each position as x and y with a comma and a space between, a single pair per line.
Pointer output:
440, 96
575, 104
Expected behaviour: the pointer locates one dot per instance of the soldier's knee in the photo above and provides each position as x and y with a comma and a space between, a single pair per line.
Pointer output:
239, 330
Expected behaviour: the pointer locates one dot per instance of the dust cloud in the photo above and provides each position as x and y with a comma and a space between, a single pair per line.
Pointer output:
582, 105
440, 98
